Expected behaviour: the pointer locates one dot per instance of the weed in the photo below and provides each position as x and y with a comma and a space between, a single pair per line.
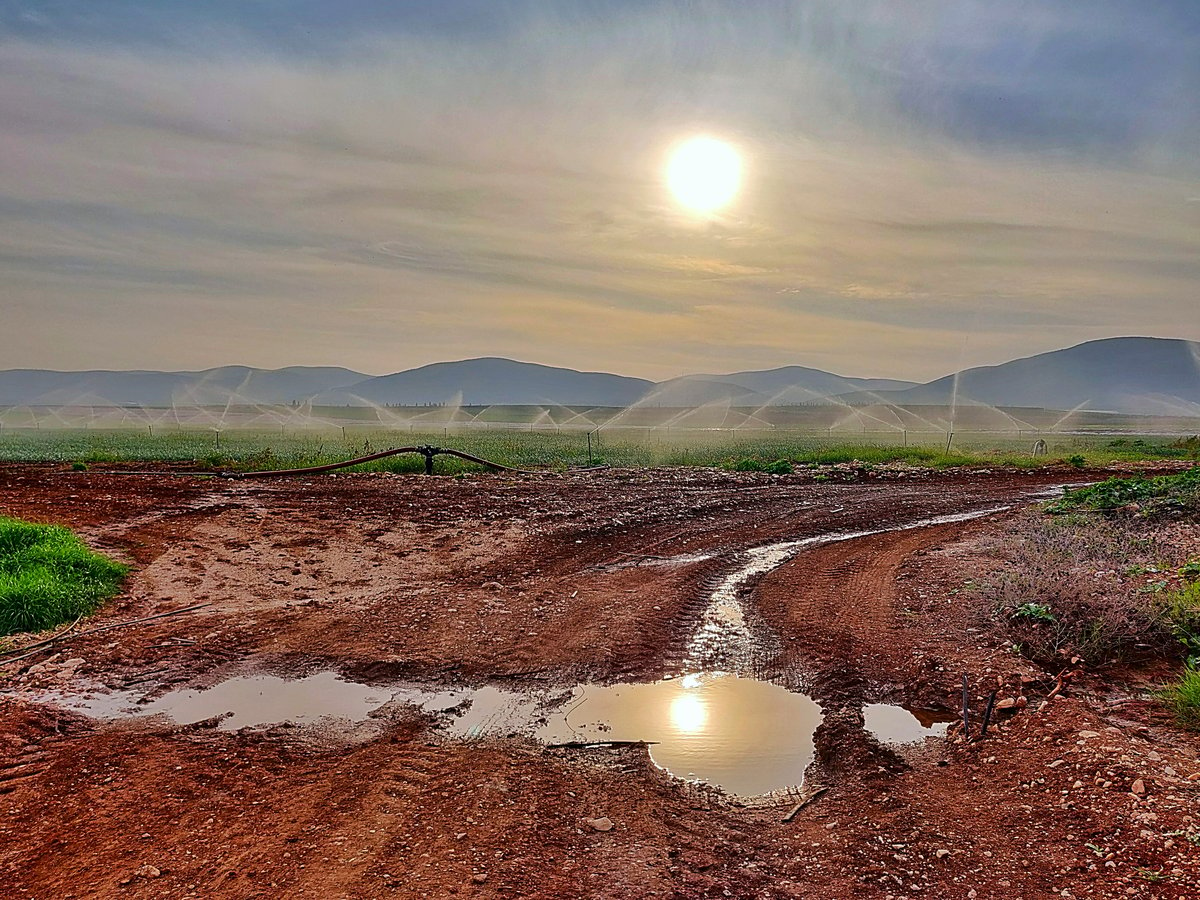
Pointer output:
1078, 461
48, 576
1180, 614
1190, 571
1182, 697
78, 467
1034, 612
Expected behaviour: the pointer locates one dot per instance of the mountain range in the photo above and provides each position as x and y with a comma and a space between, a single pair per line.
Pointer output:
1157, 376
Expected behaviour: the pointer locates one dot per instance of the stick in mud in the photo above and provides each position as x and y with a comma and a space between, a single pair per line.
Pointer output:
67, 635
966, 714
803, 803
987, 715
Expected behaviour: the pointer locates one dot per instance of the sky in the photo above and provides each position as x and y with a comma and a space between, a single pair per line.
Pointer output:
927, 184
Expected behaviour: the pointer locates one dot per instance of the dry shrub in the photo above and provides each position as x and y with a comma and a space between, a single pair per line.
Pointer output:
1074, 587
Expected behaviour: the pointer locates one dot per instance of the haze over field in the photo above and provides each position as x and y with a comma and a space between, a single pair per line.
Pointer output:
1149, 376
895, 190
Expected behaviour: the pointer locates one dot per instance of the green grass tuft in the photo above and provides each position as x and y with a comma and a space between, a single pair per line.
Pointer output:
48, 576
1182, 697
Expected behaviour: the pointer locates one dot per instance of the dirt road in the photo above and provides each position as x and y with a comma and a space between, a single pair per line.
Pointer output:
549, 581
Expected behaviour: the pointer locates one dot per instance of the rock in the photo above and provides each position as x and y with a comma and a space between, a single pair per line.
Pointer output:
1006, 703
1056, 764
1077, 785
943, 853
1088, 734
1139, 787
604, 823
479, 877
148, 871
493, 586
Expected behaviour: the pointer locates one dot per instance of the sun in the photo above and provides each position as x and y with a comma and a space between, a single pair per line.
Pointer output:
704, 173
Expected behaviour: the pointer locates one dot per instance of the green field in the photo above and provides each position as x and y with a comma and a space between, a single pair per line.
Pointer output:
246, 448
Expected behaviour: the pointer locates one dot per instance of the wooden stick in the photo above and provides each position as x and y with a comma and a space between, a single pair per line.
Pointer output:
803, 803
36, 648
966, 715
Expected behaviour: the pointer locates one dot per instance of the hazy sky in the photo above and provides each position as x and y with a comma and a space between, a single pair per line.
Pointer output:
385, 184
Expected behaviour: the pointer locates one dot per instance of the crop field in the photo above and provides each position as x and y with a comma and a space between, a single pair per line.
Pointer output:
285, 447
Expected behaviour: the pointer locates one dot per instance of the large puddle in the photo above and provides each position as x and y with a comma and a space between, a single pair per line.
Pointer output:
745, 736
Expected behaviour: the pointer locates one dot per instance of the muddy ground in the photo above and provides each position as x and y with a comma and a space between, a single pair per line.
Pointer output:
537, 581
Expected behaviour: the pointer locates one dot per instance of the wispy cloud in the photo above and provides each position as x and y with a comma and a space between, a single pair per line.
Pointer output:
195, 187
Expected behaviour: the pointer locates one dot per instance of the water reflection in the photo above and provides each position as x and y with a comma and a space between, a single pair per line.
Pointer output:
897, 725
749, 737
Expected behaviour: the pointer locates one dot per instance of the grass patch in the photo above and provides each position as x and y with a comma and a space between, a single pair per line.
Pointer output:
1177, 494
48, 576
1182, 697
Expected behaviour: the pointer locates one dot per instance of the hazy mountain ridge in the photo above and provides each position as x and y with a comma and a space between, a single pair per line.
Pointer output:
140, 387
1155, 376
1128, 374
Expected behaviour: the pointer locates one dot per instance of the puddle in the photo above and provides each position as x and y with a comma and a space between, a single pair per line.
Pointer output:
748, 737
252, 699
745, 736
897, 725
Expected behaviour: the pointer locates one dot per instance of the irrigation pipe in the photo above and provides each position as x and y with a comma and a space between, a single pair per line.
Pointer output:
7, 657
428, 452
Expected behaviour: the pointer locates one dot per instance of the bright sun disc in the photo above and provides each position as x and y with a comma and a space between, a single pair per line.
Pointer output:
704, 173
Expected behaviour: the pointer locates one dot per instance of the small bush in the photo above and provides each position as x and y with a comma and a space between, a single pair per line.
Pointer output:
48, 576
1060, 594
1077, 461
779, 467
79, 467
1182, 697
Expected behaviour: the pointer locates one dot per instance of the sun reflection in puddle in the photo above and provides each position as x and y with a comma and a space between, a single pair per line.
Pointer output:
748, 737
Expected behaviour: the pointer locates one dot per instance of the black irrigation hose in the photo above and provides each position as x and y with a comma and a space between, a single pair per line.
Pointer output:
428, 452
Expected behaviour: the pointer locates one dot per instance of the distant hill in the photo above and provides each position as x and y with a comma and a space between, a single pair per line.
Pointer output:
1152, 376
800, 384
492, 381
40, 387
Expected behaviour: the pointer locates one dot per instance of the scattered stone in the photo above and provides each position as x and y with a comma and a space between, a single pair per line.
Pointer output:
942, 853
1088, 734
604, 823
1139, 787
148, 871
1056, 764
479, 877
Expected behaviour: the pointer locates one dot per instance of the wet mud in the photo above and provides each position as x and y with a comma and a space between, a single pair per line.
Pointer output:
401, 654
